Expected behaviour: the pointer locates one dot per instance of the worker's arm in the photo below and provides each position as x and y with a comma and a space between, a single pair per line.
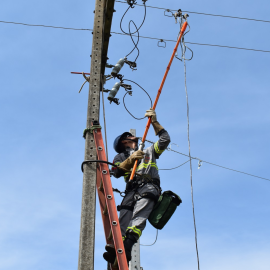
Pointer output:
164, 138
117, 161
127, 164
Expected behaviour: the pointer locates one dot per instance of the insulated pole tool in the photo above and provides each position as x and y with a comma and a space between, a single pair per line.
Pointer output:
157, 97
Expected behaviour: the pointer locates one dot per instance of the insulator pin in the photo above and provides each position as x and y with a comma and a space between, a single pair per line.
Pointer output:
113, 92
118, 66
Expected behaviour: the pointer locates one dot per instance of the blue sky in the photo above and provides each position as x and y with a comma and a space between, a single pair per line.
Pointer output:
43, 117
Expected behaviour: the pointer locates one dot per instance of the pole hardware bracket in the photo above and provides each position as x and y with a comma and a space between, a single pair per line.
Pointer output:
105, 90
109, 66
161, 43
91, 129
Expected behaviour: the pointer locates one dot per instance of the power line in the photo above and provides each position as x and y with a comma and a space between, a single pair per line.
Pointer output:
48, 26
201, 160
223, 167
146, 37
202, 13
202, 44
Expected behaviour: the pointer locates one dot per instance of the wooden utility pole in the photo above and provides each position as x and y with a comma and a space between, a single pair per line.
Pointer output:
102, 25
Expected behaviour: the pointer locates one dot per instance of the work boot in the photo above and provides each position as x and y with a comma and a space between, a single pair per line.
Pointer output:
130, 240
110, 255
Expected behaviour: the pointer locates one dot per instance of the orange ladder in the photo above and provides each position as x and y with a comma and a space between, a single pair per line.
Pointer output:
107, 203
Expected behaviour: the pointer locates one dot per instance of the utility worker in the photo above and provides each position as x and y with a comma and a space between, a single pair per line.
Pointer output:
143, 191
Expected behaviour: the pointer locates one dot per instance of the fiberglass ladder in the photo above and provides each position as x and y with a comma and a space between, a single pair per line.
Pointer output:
107, 204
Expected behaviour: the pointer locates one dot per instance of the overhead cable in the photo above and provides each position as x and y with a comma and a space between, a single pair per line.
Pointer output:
146, 37
48, 26
220, 166
202, 13
203, 44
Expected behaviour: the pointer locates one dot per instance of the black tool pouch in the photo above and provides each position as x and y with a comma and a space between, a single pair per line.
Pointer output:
164, 209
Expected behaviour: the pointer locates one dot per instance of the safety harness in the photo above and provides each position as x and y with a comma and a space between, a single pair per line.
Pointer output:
137, 183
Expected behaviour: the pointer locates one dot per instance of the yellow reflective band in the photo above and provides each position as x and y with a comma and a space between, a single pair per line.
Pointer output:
117, 163
136, 230
145, 165
157, 149
123, 238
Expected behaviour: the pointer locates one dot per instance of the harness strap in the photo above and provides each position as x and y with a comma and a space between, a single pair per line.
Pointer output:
126, 207
148, 195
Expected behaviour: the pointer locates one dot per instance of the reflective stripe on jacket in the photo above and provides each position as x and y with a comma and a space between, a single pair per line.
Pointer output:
148, 164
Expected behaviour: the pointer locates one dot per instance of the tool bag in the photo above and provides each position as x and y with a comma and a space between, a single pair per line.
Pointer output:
164, 209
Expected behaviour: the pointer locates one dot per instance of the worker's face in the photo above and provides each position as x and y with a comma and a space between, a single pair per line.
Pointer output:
131, 142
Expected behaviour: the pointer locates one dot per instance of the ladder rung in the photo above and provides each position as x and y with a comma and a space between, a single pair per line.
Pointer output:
110, 237
105, 211
115, 264
101, 186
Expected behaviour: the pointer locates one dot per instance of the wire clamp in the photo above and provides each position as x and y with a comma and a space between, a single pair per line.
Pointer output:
126, 86
131, 3
177, 14
185, 16
120, 77
131, 64
161, 43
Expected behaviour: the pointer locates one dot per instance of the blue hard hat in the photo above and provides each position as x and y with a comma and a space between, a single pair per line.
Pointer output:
118, 147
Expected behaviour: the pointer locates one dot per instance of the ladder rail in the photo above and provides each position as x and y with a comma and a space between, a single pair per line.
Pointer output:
107, 196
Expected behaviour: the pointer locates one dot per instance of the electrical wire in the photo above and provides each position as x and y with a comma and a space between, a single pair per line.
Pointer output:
202, 13
135, 44
220, 166
202, 44
153, 243
48, 26
97, 161
146, 37
132, 33
136, 27
105, 128
128, 92
183, 45
190, 160
174, 167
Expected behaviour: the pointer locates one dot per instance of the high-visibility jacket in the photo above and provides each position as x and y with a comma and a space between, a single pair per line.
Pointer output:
148, 164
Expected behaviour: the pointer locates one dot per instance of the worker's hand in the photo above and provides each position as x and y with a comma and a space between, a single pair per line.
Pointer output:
151, 113
137, 155
130, 161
